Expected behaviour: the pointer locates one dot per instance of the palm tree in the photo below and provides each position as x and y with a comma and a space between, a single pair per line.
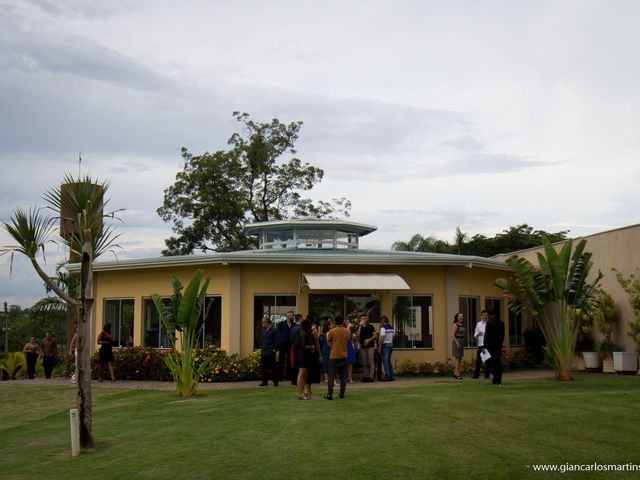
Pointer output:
80, 204
421, 243
460, 240
552, 293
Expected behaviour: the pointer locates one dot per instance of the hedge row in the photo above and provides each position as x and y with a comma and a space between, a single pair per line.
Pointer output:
143, 363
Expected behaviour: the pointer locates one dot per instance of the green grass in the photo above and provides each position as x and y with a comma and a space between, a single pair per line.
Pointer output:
460, 430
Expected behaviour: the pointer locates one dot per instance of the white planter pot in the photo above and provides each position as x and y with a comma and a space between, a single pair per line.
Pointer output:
577, 363
625, 362
592, 360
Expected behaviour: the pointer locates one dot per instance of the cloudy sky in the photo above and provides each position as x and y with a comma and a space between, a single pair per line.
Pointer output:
427, 114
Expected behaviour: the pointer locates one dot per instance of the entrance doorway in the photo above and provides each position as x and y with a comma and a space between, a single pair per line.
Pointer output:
349, 305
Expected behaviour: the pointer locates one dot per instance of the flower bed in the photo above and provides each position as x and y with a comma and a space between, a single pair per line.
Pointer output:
140, 363
511, 360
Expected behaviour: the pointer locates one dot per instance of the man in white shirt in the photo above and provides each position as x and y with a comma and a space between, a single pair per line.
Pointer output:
479, 336
385, 348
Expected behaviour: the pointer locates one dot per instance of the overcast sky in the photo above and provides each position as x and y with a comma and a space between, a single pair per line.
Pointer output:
426, 114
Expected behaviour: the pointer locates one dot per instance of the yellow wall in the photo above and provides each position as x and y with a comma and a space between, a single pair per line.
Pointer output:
278, 279
139, 284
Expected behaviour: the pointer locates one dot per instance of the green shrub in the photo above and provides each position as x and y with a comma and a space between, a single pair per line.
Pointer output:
511, 360
143, 363
137, 363
231, 368
518, 360
14, 364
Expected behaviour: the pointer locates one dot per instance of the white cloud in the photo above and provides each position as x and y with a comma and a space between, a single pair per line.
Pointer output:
427, 115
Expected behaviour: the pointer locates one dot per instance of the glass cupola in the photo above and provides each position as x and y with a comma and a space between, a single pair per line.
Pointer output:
308, 234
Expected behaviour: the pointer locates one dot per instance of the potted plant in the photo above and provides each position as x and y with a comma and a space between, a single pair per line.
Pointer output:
586, 354
584, 343
606, 349
603, 317
628, 361
625, 361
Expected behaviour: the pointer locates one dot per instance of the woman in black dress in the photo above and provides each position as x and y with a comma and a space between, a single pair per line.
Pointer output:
314, 369
306, 347
106, 351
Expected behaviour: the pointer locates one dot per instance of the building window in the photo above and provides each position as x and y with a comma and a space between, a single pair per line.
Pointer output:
494, 306
273, 306
155, 333
413, 321
210, 325
516, 334
119, 313
347, 305
469, 308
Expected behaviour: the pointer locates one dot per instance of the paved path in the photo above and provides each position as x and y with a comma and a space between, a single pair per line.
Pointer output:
400, 382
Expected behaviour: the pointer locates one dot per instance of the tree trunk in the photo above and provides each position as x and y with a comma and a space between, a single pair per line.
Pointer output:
72, 310
84, 346
564, 375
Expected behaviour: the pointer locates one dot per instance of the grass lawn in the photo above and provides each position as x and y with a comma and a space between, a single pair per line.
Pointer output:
447, 430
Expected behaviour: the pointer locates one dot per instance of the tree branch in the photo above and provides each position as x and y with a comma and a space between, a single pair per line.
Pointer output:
51, 284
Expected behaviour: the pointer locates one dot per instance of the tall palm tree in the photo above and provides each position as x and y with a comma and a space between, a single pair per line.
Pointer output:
80, 204
421, 243
460, 240
552, 293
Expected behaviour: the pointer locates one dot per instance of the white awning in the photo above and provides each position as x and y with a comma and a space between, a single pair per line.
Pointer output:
354, 281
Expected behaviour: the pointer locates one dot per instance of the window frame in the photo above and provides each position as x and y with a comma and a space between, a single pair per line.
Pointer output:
203, 319
257, 321
117, 324
514, 321
166, 300
344, 302
470, 319
430, 320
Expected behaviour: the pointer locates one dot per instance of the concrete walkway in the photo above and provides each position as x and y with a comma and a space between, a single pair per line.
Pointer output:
399, 382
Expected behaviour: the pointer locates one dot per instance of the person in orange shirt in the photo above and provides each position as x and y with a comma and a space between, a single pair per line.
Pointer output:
337, 338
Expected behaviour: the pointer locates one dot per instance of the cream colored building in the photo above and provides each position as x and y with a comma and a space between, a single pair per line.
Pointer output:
308, 266
619, 249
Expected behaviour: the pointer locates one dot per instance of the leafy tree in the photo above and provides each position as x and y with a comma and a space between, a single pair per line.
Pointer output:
81, 207
552, 293
513, 239
218, 193
34, 321
419, 243
631, 284
460, 241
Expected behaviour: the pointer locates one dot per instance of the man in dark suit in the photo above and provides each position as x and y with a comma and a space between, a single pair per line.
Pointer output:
284, 346
493, 340
268, 349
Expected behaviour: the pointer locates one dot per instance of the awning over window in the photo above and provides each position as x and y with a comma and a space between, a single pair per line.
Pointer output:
354, 281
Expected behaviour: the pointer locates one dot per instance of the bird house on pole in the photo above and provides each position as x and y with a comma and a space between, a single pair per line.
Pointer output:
81, 201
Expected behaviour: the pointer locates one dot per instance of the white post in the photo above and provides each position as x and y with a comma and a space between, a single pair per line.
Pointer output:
74, 421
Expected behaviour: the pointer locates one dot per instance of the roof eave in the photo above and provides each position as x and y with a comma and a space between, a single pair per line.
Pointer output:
289, 259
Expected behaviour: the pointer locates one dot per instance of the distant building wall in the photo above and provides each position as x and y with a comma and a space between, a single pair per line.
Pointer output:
619, 249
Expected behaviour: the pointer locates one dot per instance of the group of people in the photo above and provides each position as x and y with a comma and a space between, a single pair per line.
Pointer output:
301, 350
489, 335
48, 349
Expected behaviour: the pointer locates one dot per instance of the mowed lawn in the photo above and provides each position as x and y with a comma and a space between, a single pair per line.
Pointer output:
446, 430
